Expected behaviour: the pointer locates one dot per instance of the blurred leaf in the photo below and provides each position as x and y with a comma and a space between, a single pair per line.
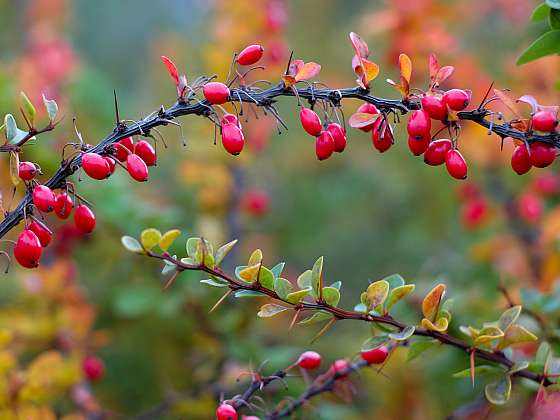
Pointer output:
214, 282
150, 237
277, 269
498, 393
271, 309
29, 109
487, 335
554, 4
430, 304
375, 342
405, 334
171, 68
132, 245
331, 295
249, 274
478, 370
208, 252
360, 307
224, 250
543, 352
517, 366
377, 293
11, 128
266, 278
398, 293
168, 238
547, 44
315, 318
418, 347
308, 71
282, 287
337, 285
135, 300
192, 246
554, 19
540, 12
256, 257
297, 296
248, 293
509, 317
51, 107
316, 275
440, 325
516, 334
394, 280
168, 267
405, 66
14, 168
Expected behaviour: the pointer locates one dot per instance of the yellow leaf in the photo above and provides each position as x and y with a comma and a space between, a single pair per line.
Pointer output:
168, 238
430, 305
370, 69
487, 335
249, 274
406, 67
440, 326
256, 257
376, 293
150, 237
14, 168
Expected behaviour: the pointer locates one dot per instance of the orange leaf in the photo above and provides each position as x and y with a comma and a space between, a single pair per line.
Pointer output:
308, 71
430, 305
433, 66
371, 70
362, 119
508, 102
406, 67
359, 45
288, 80
171, 68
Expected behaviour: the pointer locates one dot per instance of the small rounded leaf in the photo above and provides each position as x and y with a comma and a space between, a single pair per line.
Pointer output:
132, 245
149, 238
168, 238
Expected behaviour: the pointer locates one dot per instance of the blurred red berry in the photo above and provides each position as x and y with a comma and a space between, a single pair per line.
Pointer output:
123, 148
27, 171
226, 412
530, 207
146, 152
418, 145
309, 360
256, 203
84, 218
419, 124
339, 136
96, 166
339, 366
43, 198
474, 212
375, 356
93, 368
434, 106
382, 136
137, 168
63, 205
547, 183
233, 139
324, 145
43, 233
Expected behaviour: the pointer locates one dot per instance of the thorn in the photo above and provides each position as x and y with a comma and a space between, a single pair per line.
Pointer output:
472, 366
171, 280
289, 63
220, 301
116, 108
294, 319
324, 330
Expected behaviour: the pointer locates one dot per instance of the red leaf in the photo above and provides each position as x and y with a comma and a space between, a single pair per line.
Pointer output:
433, 66
308, 71
362, 119
171, 68
359, 45
508, 102
295, 67
443, 74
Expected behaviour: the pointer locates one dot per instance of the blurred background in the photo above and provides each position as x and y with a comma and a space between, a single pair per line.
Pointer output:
369, 214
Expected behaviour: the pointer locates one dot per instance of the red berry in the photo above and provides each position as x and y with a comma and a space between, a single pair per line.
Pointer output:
309, 360
434, 106
324, 145
382, 136
437, 152
339, 136
28, 249
456, 99
137, 168
250, 55
226, 412
43, 198
216, 93
541, 154
368, 108
474, 212
456, 164
339, 366
310, 121
418, 145
375, 356
233, 139
468, 190
256, 203
146, 152
530, 207
230, 119
123, 148
521, 160
27, 171
93, 368
63, 205
547, 183
84, 218
544, 121
42, 232
419, 124
111, 162
95, 166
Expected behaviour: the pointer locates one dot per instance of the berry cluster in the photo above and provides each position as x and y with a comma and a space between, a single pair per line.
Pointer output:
329, 138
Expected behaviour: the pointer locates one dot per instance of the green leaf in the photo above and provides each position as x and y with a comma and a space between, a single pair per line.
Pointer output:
478, 370
11, 128
266, 278
554, 19
394, 280
51, 107
29, 109
256, 257
208, 252
517, 366
487, 335
168, 267
192, 246
554, 4
397, 294
376, 293
331, 295
214, 282
509, 317
374, 342
540, 12
248, 293
271, 309
543, 353
132, 245
304, 280
337, 285
418, 347
297, 296
360, 307
282, 287
150, 237
316, 275
277, 269
498, 392
516, 334
135, 300
168, 238
316, 317
223, 251
404, 334
547, 44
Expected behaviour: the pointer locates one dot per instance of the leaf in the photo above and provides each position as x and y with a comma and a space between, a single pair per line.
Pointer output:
337, 285
192, 246
266, 278
479, 370
308, 71
14, 168
304, 280
132, 245
171, 68
376, 293
282, 287
149, 238
288, 80
440, 325
29, 108
404, 334
553, 4
360, 46
487, 335
168, 267
540, 12
433, 66
331, 295
518, 366
214, 282
516, 334
508, 317
277, 269
317, 275
397, 294
394, 280
375, 342
543, 353
498, 392
529, 99
554, 19
443, 74
248, 293
508, 102
270, 309
51, 107
11, 128
362, 119
249, 273
256, 257
223, 251
315, 318
297, 296
406, 67
418, 347
360, 307
430, 304
546, 44
370, 71
168, 238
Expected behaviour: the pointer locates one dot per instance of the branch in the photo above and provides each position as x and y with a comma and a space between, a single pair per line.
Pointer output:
265, 99
497, 357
